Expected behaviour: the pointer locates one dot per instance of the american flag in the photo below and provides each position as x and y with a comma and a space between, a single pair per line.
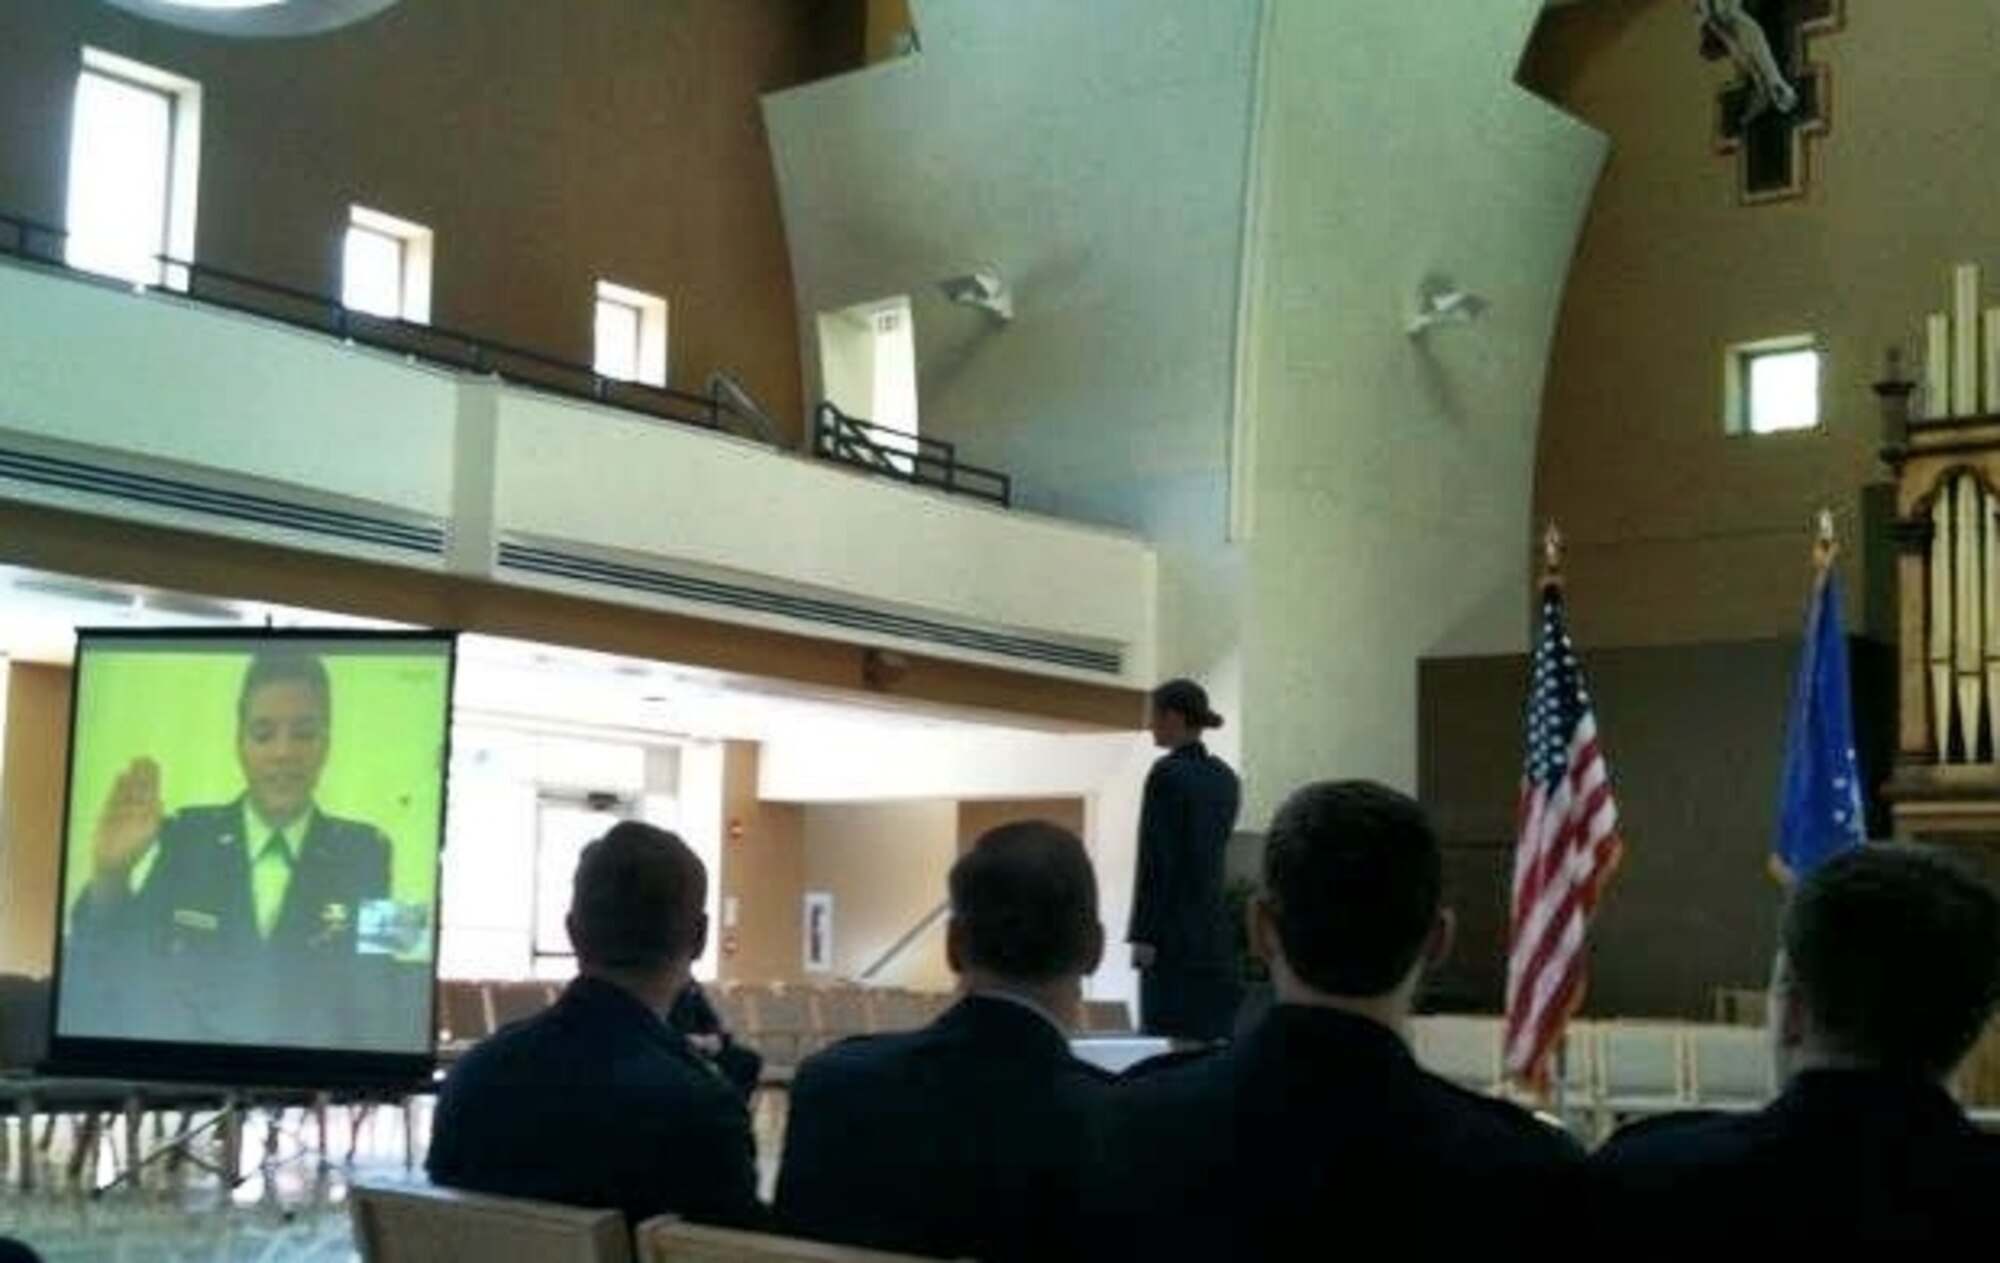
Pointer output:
1566, 847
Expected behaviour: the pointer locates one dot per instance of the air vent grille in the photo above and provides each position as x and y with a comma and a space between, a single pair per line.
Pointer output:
566, 565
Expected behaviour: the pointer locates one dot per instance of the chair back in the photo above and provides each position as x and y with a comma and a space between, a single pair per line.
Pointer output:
1642, 1062
424, 1224
1731, 1067
1464, 1048
671, 1240
1107, 1017
516, 999
463, 1014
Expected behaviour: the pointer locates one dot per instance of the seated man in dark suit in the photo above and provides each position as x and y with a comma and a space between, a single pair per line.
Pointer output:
12, 1251
1887, 968
963, 1139
201, 925
597, 1101
1318, 1118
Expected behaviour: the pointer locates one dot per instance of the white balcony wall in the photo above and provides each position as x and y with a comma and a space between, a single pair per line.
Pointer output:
612, 481
161, 377
161, 386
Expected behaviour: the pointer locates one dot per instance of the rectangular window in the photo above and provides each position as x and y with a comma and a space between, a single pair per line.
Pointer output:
385, 266
1772, 386
134, 159
631, 335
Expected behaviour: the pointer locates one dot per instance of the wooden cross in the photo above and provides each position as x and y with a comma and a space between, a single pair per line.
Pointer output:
1771, 143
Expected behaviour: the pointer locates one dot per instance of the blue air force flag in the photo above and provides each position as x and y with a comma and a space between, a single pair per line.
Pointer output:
1819, 795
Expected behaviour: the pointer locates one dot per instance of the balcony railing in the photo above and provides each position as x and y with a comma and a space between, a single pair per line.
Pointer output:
726, 408
911, 458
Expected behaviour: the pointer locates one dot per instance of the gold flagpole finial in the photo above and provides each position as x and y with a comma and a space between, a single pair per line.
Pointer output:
1825, 545
1552, 555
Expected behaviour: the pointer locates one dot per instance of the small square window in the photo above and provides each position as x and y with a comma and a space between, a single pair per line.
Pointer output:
631, 335
617, 339
371, 272
1773, 387
385, 266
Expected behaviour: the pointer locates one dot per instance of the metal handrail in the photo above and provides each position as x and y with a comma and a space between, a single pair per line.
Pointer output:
907, 457
733, 398
904, 943
40, 243
876, 449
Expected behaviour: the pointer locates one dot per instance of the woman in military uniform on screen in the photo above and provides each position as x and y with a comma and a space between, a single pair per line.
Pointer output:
237, 922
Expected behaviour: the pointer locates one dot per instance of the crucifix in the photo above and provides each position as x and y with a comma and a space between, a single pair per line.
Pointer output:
1763, 119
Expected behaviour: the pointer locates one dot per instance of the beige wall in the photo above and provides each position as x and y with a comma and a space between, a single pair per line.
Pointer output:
888, 20
975, 818
763, 871
31, 814
1387, 477
885, 865
1677, 532
546, 145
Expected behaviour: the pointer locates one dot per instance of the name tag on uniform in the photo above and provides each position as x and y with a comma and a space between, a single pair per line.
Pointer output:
195, 919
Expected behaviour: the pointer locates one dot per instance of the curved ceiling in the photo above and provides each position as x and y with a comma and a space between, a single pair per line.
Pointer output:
255, 18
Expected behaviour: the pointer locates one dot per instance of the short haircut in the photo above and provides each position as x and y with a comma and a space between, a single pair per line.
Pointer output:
637, 899
1353, 877
284, 665
1025, 901
1894, 948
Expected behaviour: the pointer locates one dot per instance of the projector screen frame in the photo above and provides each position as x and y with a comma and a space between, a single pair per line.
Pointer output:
248, 1065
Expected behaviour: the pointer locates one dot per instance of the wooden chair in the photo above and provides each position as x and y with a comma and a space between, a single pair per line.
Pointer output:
421, 1224
465, 1015
843, 1012
784, 1029
671, 1240
1460, 1047
517, 999
1730, 1068
899, 1009
1642, 1069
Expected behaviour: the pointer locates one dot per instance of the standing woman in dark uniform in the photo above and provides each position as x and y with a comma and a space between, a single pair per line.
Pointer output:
1179, 932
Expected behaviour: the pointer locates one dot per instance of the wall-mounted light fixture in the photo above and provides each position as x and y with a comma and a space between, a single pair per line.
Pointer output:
982, 288
1441, 302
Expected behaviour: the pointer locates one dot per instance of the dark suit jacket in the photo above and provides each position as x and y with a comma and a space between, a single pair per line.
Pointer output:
1315, 1121
12, 1251
1854, 1158
596, 1102
1185, 819
963, 1139
182, 959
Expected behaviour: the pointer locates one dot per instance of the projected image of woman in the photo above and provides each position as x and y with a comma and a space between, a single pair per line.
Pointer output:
236, 922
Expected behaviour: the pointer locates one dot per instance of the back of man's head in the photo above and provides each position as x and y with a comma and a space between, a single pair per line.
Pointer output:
636, 902
1353, 880
1893, 949
1024, 905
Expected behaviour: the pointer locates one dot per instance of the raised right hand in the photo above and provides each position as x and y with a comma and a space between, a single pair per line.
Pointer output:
130, 821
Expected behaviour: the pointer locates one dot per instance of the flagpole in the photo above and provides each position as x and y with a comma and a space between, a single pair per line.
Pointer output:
1552, 558
1552, 579
1551, 1093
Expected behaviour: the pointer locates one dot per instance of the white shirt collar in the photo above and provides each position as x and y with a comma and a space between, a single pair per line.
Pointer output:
1023, 1002
257, 830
